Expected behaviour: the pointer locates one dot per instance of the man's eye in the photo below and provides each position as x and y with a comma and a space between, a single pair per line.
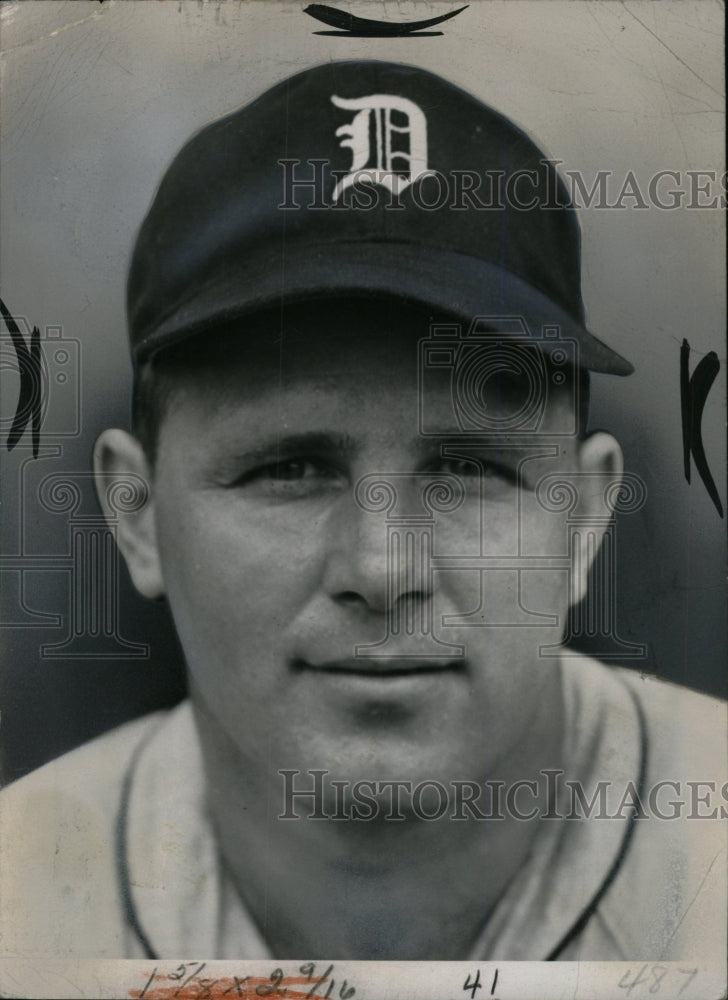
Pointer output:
459, 467
290, 470
477, 470
290, 477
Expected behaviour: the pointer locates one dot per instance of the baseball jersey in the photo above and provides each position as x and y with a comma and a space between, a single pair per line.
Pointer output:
108, 851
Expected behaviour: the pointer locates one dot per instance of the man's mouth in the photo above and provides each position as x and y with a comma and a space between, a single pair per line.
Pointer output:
383, 667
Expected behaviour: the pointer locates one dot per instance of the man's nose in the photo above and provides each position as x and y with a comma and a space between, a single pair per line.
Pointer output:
375, 561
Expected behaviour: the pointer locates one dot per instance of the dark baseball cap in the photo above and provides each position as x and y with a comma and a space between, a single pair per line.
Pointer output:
360, 178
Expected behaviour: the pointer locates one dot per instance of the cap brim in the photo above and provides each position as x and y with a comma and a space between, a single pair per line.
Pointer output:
460, 285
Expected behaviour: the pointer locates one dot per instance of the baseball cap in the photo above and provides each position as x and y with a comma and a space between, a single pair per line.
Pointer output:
360, 178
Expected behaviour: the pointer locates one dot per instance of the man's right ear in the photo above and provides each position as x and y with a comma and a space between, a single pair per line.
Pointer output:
124, 489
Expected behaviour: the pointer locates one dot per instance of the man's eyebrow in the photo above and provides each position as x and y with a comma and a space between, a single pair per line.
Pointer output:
317, 442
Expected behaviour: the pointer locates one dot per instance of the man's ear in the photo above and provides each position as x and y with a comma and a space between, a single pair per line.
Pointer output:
124, 489
601, 465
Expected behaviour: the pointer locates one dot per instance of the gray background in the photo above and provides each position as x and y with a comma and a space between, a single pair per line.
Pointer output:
96, 100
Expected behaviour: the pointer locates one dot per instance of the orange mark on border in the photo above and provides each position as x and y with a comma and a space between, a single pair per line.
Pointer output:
228, 988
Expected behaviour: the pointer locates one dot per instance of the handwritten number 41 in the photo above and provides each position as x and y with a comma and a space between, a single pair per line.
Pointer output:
476, 984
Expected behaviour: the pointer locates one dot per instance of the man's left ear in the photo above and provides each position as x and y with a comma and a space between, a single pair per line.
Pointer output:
601, 464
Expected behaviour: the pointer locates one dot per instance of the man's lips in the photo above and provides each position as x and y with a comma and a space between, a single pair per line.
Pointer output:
384, 667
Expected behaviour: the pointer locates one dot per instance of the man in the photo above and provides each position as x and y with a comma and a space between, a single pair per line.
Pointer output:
361, 374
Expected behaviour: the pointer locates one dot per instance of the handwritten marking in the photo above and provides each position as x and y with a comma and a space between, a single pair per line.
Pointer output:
691, 974
694, 391
245, 989
185, 983
149, 983
366, 27
30, 396
651, 981
474, 985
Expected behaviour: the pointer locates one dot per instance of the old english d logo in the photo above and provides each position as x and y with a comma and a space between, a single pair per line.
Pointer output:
388, 140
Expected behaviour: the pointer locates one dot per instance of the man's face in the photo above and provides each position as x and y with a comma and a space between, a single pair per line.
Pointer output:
281, 561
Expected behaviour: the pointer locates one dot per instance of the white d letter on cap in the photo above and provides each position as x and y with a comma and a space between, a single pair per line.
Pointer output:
380, 166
